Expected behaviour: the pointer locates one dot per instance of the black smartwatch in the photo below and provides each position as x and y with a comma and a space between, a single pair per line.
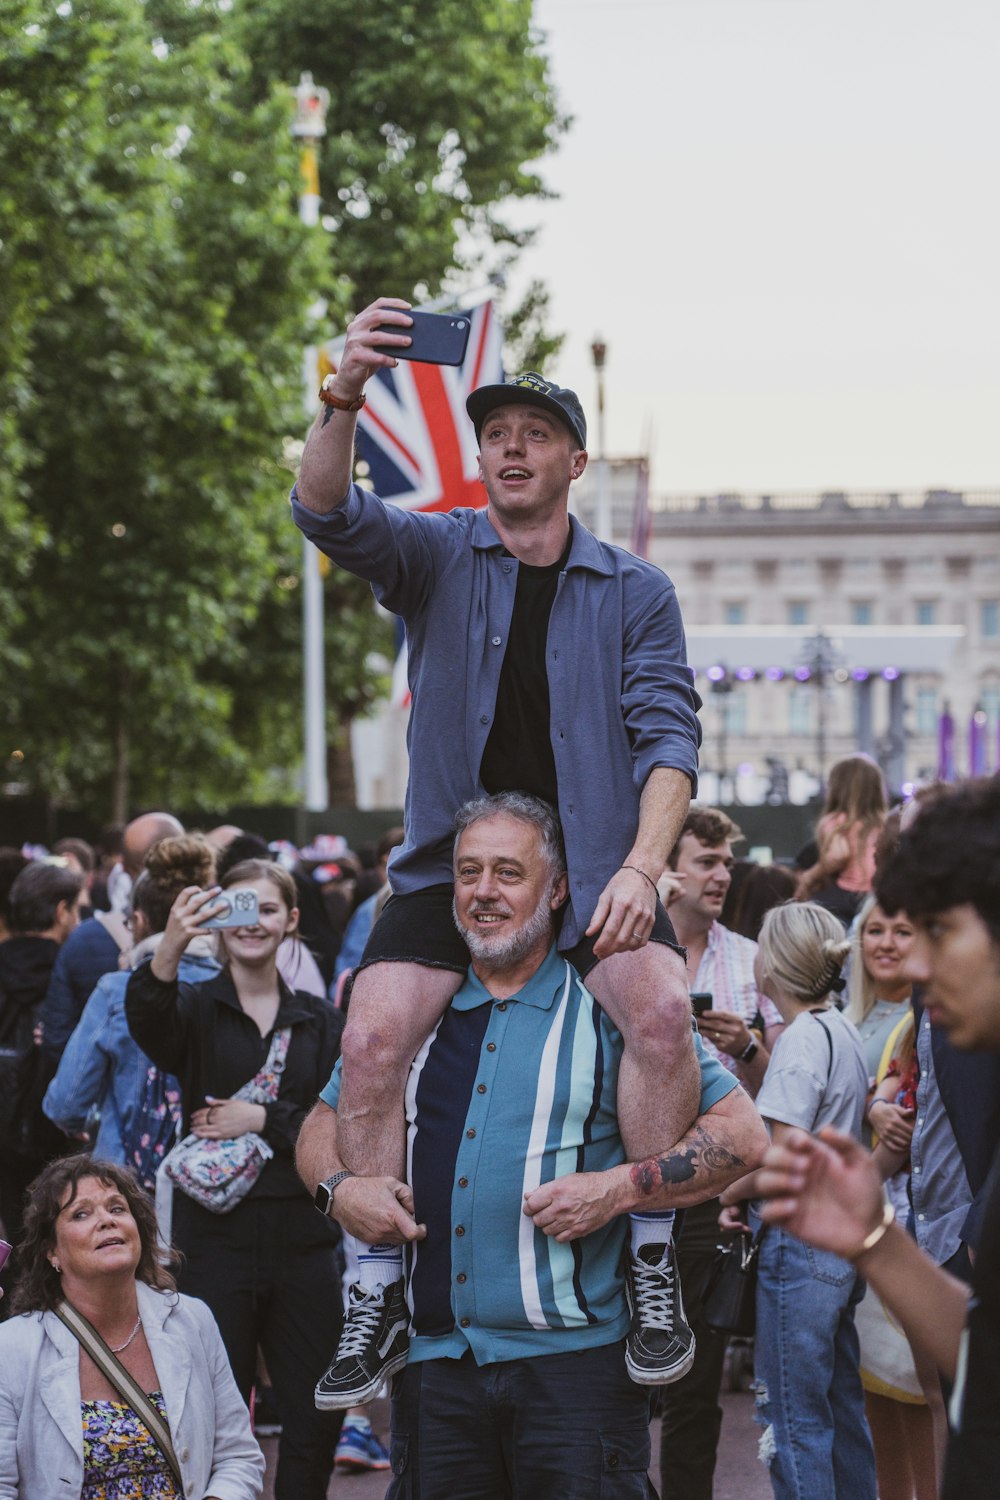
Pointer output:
324, 1193
749, 1051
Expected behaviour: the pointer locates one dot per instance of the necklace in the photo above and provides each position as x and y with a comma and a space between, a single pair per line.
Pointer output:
135, 1330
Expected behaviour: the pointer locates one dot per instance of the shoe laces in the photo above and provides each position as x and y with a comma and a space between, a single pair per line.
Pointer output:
362, 1321
654, 1292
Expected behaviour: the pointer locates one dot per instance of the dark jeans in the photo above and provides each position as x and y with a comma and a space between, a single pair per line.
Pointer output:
559, 1427
270, 1272
691, 1417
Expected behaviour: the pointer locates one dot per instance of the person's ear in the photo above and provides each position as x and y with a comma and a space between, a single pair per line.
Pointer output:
293, 922
577, 463
560, 890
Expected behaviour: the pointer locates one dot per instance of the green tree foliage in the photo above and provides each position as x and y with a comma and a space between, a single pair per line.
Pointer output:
156, 282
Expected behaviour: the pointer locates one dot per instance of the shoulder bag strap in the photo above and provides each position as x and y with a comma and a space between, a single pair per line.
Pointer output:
125, 1384
268, 1080
829, 1041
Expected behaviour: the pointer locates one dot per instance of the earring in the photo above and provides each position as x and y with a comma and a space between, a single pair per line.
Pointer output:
56, 1267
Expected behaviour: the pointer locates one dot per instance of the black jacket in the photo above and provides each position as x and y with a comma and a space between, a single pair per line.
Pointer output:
201, 1033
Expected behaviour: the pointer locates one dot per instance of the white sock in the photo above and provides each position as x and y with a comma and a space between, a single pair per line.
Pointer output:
379, 1265
651, 1229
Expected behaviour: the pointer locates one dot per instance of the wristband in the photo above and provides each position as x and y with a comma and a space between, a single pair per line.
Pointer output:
636, 871
871, 1240
328, 398
749, 1051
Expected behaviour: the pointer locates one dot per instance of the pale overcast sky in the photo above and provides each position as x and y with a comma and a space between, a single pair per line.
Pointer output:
783, 216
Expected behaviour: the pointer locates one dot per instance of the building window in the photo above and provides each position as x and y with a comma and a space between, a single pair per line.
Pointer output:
861, 612
926, 611
734, 614
735, 713
798, 612
927, 710
800, 703
989, 619
989, 700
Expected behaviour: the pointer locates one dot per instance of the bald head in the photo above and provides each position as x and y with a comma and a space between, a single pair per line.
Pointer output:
220, 838
142, 833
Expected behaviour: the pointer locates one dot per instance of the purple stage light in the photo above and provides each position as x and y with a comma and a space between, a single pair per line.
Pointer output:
716, 674
745, 674
802, 674
774, 674
890, 673
861, 674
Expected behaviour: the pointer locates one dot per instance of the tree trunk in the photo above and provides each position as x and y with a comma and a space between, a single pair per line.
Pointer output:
340, 768
122, 749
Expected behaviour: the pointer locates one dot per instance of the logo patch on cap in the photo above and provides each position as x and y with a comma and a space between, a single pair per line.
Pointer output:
533, 382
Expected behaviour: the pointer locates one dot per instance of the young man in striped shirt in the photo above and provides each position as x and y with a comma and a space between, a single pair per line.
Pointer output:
516, 1202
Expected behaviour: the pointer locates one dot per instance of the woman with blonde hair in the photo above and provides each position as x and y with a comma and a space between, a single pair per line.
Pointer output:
810, 1400
878, 989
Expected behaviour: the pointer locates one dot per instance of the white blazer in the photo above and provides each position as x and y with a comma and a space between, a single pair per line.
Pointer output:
41, 1428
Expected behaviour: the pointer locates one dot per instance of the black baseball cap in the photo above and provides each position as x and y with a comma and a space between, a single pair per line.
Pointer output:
529, 390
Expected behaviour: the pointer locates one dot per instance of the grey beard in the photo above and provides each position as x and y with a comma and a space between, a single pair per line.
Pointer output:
504, 952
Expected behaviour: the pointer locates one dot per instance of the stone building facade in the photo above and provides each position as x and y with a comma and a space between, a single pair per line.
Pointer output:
842, 621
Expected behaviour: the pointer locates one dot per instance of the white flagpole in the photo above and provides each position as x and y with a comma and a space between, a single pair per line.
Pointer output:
310, 127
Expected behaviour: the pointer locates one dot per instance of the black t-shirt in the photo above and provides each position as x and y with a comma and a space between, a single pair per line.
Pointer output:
971, 1471
518, 755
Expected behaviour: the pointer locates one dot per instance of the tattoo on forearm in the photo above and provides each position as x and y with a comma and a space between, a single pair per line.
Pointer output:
327, 414
679, 1165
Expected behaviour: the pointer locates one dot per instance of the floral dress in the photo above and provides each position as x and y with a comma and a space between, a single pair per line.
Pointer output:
120, 1459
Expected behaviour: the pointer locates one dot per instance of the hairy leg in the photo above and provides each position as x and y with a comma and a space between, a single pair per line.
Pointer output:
394, 1007
646, 996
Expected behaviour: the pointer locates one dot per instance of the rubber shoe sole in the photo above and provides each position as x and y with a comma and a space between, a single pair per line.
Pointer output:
341, 1400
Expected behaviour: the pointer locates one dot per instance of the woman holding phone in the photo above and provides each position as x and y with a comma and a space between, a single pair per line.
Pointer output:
267, 1266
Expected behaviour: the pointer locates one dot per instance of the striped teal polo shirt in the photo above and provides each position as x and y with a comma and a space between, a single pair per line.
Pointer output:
507, 1094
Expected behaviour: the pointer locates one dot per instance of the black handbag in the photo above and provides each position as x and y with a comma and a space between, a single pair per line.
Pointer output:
730, 1301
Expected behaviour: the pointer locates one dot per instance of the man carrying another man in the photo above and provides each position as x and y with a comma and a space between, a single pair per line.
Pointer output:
518, 1177
542, 661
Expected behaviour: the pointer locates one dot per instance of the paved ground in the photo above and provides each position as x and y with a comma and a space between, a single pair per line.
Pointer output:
739, 1475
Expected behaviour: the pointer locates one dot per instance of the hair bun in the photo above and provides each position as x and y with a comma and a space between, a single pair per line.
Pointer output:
188, 859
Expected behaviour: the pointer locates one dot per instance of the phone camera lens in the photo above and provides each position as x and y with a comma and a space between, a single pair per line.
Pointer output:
460, 324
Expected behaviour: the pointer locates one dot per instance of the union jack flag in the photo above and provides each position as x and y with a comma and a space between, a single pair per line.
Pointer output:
414, 432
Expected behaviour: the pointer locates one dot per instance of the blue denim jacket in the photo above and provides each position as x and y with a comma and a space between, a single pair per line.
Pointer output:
103, 1066
621, 693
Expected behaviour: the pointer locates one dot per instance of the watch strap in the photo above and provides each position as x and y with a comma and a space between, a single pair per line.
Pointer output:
326, 1190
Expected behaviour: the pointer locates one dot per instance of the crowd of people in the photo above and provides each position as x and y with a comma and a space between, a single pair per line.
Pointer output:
817, 1020
569, 1043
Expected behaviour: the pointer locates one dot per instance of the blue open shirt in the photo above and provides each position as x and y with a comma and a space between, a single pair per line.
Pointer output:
622, 698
